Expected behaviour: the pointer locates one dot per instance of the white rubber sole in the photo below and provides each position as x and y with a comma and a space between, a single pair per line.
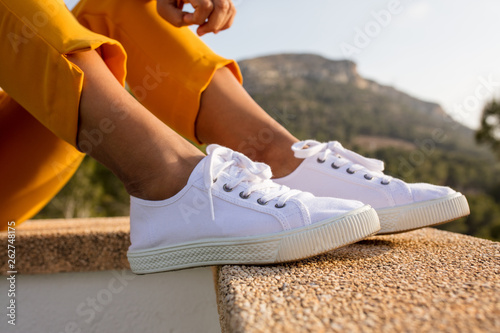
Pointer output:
279, 247
422, 214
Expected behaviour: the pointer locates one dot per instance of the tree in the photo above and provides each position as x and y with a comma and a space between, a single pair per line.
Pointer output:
489, 133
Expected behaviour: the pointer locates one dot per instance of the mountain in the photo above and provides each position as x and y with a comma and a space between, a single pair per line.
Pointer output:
328, 99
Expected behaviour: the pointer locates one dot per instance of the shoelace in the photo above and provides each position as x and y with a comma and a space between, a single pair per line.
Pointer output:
372, 167
243, 170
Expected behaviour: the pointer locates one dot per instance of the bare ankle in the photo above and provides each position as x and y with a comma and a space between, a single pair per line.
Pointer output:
280, 158
162, 185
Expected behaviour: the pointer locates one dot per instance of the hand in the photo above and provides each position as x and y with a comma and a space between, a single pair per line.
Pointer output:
210, 15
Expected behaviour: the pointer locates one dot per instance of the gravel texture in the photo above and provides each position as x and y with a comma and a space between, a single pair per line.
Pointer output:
422, 281
71, 245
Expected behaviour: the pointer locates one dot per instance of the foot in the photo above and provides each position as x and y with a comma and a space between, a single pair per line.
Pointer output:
231, 212
330, 170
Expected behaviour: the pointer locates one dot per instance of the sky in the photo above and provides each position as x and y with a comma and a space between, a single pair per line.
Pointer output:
441, 51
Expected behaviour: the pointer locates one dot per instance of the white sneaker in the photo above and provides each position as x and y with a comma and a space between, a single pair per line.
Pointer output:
230, 212
331, 170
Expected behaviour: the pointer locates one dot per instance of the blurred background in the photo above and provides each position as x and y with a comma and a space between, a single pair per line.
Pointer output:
409, 82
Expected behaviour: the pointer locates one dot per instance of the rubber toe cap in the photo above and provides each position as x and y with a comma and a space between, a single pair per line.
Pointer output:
423, 192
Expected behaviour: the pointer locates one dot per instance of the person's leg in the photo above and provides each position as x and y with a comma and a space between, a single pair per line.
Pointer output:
152, 161
172, 67
167, 67
40, 115
179, 79
40, 103
230, 117
187, 210
321, 172
235, 215
36, 37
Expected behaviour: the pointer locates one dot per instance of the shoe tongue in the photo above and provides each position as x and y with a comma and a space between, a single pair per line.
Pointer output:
370, 164
197, 172
216, 159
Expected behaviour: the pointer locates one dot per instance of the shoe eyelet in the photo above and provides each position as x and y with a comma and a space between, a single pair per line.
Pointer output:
226, 188
244, 196
367, 177
260, 202
278, 206
319, 160
349, 171
334, 166
384, 183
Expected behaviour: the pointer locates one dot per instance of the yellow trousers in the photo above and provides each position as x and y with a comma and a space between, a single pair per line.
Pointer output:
167, 69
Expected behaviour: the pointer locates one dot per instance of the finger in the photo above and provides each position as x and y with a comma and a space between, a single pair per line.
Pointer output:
171, 11
202, 10
230, 22
218, 18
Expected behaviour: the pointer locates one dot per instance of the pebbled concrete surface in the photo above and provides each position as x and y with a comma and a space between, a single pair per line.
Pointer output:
422, 281
69, 245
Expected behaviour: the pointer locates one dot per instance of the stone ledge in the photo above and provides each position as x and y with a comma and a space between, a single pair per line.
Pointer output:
422, 281
426, 280
72, 245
